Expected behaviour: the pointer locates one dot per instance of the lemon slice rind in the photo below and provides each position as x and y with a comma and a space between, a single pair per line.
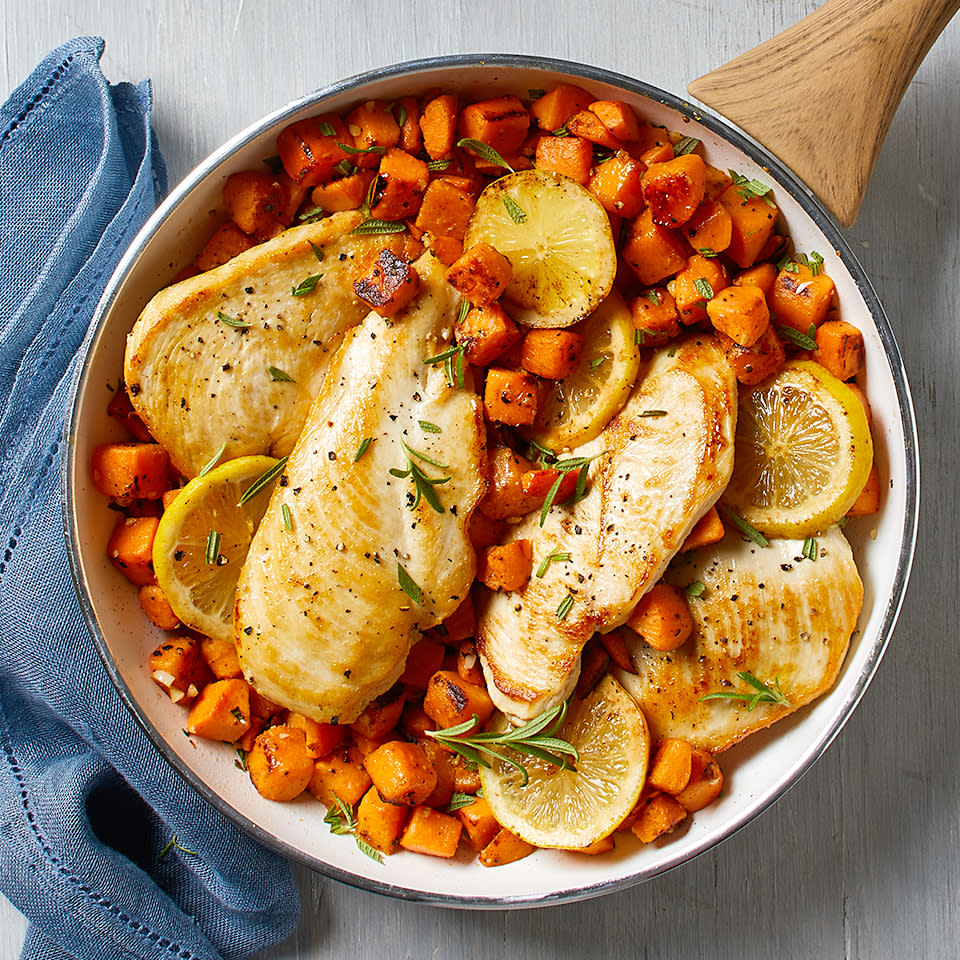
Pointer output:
570, 809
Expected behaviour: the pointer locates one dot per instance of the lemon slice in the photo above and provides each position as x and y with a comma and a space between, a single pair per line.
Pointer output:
570, 809
558, 240
803, 452
202, 593
576, 409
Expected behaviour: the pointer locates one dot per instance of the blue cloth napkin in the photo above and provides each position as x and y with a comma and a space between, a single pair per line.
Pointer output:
87, 806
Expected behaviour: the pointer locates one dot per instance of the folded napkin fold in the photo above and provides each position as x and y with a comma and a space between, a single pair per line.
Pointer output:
88, 808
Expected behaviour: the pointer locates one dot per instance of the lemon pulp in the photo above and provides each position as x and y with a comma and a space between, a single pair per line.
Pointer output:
201, 593
803, 452
570, 809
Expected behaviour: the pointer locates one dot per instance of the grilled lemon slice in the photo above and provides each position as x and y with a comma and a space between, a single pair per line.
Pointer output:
558, 240
803, 452
570, 809
203, 539
577, 408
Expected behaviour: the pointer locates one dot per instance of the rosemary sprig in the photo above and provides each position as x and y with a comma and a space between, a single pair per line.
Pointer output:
287, 517
762, 692
232, 321
537, 738
409, 586
685, 145
423, 484
264, 480
305, 286
582, 465
751, 189
558, 556
805, 341
373, 226
452, 360
484, 151
343, 822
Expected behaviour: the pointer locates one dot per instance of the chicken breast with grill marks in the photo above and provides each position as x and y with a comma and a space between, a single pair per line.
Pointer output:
660, 465
198, 380
766, 611
323, 623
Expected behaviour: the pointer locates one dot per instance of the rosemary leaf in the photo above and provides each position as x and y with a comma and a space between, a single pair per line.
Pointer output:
280, 375
287, 518
363, 448
408, 584
307, 285
263, 481
213, 546
762, 693
213, 461
514, 209
798, 339
427, 427
232, 321
745, 528
685, 145
695, 589
372, 226
566, 604
558, 556
484, 151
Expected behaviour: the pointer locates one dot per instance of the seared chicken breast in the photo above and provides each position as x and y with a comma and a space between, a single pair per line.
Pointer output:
329, 605
233, 356
767, 611
658, 467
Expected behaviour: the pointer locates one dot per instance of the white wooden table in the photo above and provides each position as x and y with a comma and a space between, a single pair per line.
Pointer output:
862, 857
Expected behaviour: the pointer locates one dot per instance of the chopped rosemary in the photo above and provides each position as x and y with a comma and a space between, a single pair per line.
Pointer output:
561, 132
536, 738
287, 518
707, 252
458, 800
745, 528
317, 252
408, 584
373, 225
311, 215
343, 822
596, 361
241, 762
281, 375
762, 694
173, 843
484, 151
213, 461
427, 427
363, 448
401, 116
805, 341
558, 556
543, 455
263, 481
326, 128
345, 168
435, 166
685, 145
751, 189
346, 148
452, 360
307, 285
423, 484
582, 465
237, 714
213, 546
653, 413
463, 310
514, 209
232, 321
654, 297
811, 549
695, 589
703, 288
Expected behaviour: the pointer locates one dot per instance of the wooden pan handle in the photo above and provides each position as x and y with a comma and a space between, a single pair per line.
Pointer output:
821, 94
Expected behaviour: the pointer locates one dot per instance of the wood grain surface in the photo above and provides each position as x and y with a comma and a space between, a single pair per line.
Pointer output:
860, 859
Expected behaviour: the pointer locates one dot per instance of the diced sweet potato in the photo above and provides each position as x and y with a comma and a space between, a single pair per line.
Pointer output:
468, 662
391, 286
505, 847
254, 201
438, 124
505, 497
481, 274
701, 280
372, 124
655, 315
570, 156
762, 275
619, 118
670, 765
414, 722
228, 241
662, 618
310, 149
431, 832
659, 815
221, 711
380, 715
479, 823
603, 845
510, 396
346, 193
322, 738
154, 603
485, 531
705, 783
506, 567
674, 189
407, 113
555, 108
486, 333
799, 299
753, 364
616, 647
753, 220
131, 471
423, 662
338, 775
441, 759
708, 529
401, 182
130, 548
121, 409
617, 184
594, 662
710, 229
716, 182
839, 348
537, 484
589, 126
401, 772
380, 823
221, 657
177, 666
741, 313
868, 501
450, 700
263, 707
501, 123
552, 354
653, 252
279, 765
445, 209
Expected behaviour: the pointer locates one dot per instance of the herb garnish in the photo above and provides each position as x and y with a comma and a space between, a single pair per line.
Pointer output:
213, 461
438, 165
514, 209
173, 843
373, 225
596, 361
213, 546
343, 822
452, 360
232, 321
695, 589
745, 528
811, 549
263, 481
311, 216
484, 151
653, 413
287, 519
241, 762
348, 149
685, 145
582, 464
703, 288
307, 285
751, 189
280, 375
424, 485
764, 694
536, 738
558, 556
363, 448
345, 168
427, 427
536, 93
317, 252
654, 297
707, 252
566, 604
805, 341
458, 800
326, 128
408, 584
401, 117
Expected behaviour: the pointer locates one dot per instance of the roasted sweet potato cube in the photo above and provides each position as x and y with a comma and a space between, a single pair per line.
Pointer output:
570, 156
552, 354
655, 316
555, 108
461, 624
674, 189
130, 548
536, 484
423, 662
130, 471
401, 772
322, 738
505, 567
659, 815
450, 700
177, 666
799, 298
662, 618
594, 662
372, 124
431, 832
279, 765
380, 823
501, 123
468, 662
616, 647
414, 723
228, 241
481, 274
407, 113
438, 124
310, 149
868, 501
484, 531
391, 286
121, 409
753, 221
753, 364
505, 497
619, 118
710, 229
617, 184
716, 181
254, 201
346, 193
338, 775
705, 783
510, 396
445, 209
486, 333
154, 603
839, 348
505, 847
670, 765
221, 711
380, 715
708, 529
479, 823
741, 313
588, 125
653, 252
694, 286
441, 759
221, 657
763, 275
